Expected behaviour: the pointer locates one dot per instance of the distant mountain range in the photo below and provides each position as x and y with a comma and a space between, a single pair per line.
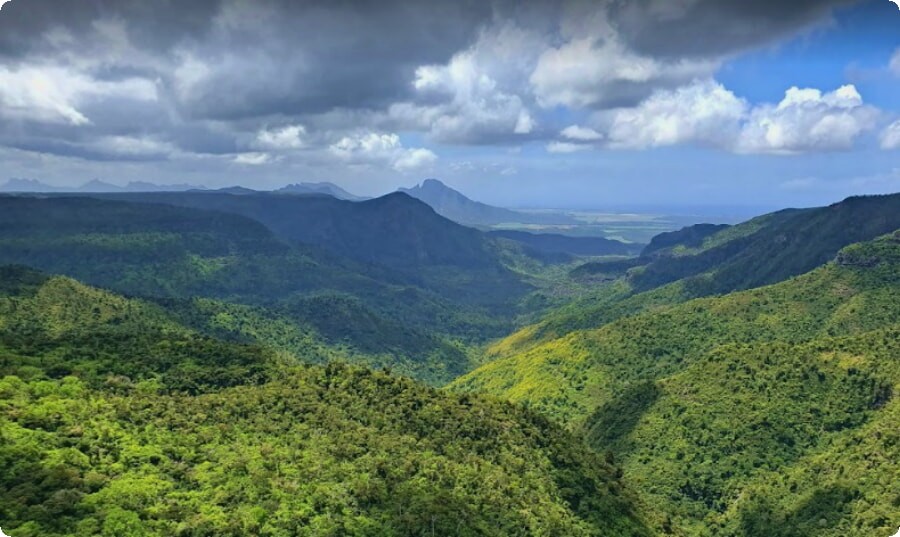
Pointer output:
330, 189
32, 185
452, 204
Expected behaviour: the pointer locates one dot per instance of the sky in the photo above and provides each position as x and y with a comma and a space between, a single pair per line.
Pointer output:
566, 104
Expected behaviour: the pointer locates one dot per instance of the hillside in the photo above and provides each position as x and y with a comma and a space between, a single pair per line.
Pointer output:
174, 254
454, 205
116, 420
552, 243
328, 189
708, 402
764, 250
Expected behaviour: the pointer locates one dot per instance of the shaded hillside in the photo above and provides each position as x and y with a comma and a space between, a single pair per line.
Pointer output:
117, 420
709, 402
765, 250
454, 205
552, 243
328, 189
398, 237
172, 254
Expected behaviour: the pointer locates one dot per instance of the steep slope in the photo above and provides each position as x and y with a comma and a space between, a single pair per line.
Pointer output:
454, 205
116, 420
397, 236
170, 253
711, 401
54, 327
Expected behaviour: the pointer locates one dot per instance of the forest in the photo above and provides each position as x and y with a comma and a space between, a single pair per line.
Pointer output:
192, 368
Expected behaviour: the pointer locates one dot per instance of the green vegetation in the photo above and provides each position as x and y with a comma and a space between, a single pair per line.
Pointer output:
116, 420
709, 402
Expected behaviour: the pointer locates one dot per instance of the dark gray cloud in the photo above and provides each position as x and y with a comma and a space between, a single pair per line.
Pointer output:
138, 80
713, 27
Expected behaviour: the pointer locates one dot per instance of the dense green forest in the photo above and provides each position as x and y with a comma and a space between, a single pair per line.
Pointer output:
117, 420
708, 402
233, 364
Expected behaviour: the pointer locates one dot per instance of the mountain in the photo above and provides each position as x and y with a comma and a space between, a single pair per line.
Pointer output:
144, 186
116, 420
34, 186
326, 188
99, 186
552, 243
457, 207
396, 234
27, 185
770, 411
305, 302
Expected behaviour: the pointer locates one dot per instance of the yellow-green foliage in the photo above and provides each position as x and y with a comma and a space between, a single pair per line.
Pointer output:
704, 402
327, 451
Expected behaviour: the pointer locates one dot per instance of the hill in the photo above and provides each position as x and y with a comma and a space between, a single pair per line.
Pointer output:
551, 243
764, 250
175, 255
454, 205
117, 420
328, 189
711, 404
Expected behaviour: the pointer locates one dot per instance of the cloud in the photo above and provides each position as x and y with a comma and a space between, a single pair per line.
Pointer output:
706, 113
566, 147
283, 138
52, 94
894, 64
890, 136
476, 96
375, 148
601, 72
254, 159
808, 120
581, 134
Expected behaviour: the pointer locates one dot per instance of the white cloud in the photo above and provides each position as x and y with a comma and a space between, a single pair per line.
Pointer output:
581, 134
890, 136
380, 148
704, 112
253, 159
894, 64
414, 159
566, 147
475, 96
598, 71
806, 120
53, 94
288, 137
2, 2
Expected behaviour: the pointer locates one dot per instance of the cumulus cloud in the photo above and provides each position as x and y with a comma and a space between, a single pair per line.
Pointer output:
704, 112
476, 96
707, 113
601, 72
283, 138
373, 148
808, 120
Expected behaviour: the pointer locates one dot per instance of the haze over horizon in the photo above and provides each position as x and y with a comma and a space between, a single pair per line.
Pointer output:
584, 104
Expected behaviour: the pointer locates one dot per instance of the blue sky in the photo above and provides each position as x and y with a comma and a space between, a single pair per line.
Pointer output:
537, 104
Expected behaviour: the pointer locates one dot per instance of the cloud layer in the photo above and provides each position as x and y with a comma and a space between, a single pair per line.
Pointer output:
391, 84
